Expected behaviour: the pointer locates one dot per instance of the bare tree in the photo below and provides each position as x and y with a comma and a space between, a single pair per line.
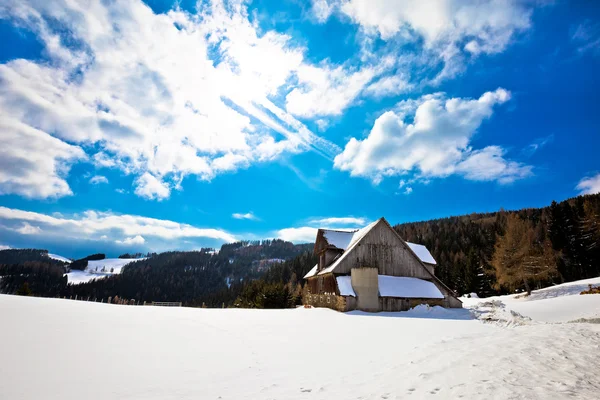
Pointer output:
523, 256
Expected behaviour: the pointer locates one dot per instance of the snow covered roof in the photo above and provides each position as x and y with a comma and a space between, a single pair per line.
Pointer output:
312, 272
422, 252
338, 238
345, 285
395, 286
401, 286
356, 236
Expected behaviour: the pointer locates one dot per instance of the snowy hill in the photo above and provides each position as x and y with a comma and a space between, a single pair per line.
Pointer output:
95, 268
59, 258
186, 353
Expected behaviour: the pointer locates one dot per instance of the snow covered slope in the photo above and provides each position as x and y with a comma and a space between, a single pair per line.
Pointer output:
185, 353
560, 303
59, 258
94, 269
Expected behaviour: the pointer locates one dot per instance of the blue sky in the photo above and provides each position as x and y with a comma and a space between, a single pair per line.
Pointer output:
135, 126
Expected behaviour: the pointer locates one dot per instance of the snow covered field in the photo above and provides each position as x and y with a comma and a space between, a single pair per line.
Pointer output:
62, 349
94, 269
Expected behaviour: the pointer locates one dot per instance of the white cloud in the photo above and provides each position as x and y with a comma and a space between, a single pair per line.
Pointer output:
164, 95
130, 241
91, 225
488, 25
303, 234
28, 229
4, 247
98, 179
408, 190
435, 144
150, 187
589, 185
33, 163
448, 30
339, 221
248, 216
488, 164
307, 234
326, 90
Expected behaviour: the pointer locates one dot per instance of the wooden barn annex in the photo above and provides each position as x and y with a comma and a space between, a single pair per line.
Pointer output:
373, 269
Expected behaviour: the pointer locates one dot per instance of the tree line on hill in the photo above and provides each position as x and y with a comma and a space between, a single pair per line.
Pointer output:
194, 277
488, 253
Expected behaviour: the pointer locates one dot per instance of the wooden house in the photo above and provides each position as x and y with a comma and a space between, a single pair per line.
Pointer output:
373, 269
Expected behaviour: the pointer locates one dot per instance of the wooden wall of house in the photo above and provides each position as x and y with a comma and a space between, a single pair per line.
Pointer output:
326, 257
381, 248
401, 304
333, 301
322, 284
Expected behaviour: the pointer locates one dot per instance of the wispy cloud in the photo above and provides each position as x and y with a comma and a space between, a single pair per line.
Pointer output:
589, 185
586, 37
98, 179
249, 216
94, 225
337, 221
538, 144
28, 229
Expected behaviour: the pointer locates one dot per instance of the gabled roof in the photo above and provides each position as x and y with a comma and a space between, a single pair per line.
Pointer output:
356, 236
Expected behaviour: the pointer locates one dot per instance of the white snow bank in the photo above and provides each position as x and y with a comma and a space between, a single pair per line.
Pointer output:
560, 303
345, 285
422, 252
400, 286
59, 258
94, 269
156, 353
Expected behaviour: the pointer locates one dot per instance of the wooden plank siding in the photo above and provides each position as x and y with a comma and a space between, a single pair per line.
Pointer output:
323, 284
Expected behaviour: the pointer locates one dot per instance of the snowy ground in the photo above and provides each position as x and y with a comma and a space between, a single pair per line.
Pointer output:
561, 303
62, 349
94, 269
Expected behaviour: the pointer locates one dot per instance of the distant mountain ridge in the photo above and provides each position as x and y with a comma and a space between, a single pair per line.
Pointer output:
268, 273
